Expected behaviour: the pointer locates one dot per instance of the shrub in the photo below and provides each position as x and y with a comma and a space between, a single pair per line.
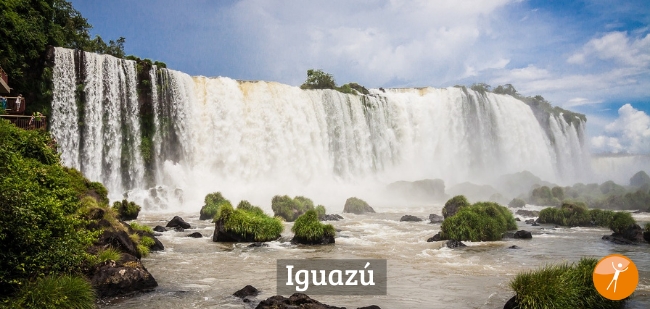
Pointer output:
56, 292
308, 227
290, 209
147, 241
560, 286
141, 228
249, 223
517, 203
453, 205
212, 203
109, 254
142, 250
127, 210
483, 221
357, 206
320, 211
245, 205
621, 221
570, 214
317, 79
601, 217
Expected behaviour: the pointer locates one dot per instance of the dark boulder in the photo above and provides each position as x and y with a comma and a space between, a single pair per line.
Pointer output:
433, 218
527, 213
119, 240
514, 247
257, 245
511, 303
633, 235
247, 291
370, 307
221, 235
114, 279
160, 228
517, 219
646, 236
535, 223
451, 244
178, 222
195, 235
295, 301
157, 246
523, 234
435, 238
409, 218
179, 229
619, 240
530, 221
331, 217
357, 206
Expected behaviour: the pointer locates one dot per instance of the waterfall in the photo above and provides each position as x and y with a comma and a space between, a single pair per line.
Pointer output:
253, 140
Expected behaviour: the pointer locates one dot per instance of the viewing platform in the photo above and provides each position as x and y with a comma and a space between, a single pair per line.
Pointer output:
27, 122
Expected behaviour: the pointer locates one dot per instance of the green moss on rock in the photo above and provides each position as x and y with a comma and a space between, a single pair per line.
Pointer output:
308, 230
357, 206
127, 210
213, 202
483, 221
290, 209
453, 205
245, 225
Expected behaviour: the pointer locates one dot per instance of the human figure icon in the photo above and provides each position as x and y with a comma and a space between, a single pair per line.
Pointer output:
617, 272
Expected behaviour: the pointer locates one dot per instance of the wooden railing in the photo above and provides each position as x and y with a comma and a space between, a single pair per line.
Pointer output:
27, 122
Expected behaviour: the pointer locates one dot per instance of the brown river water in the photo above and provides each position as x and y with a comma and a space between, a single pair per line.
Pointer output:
199, 273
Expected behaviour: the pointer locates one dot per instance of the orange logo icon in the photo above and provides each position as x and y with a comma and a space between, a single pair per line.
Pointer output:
615, 277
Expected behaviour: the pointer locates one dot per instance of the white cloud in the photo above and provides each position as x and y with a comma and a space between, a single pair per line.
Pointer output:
618, 47
581, 101
629, 133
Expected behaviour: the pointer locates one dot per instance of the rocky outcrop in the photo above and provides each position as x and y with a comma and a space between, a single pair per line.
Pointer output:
325, 240
451, 244
633, 235
119, 240
160, 228
221, 235
522, 234
511, 303
527, 213
247, 291
195, 235
433, 218
409, 218
435, 238
331, 217
122, 278
178, 222
357, 206
295, 301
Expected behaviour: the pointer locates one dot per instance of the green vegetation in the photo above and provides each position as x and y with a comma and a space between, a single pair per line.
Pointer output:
577, 214
561, 286
483, 221
357, 206
213, 202
127, 210
108, 254
42, 230
317, 79
453, 205
307, 227
27, 28
517, 203
290, 209
245, 205
320, 211
55, 292
249, 223
141, 228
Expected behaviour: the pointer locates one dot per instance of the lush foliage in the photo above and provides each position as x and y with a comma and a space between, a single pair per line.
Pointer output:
483, 221
320, 211
141, 228
127, 210
249, 223
109, 254
621, 221
517, 203
290, 209
356, 206
317, 79
56, 292
560, 286
245, 205
453, 205
41, 228
27, 28
212, 203
309, 228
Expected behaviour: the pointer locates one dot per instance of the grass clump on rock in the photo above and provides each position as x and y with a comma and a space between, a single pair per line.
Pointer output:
109, 254
56, 292
517, 203
483, 221
245, 225
577, 214
212, 203
453, 205
290, 209
309, 230
127, 210
357, 206
560, 286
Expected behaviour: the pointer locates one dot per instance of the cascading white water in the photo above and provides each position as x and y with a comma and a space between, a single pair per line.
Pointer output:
64, 107
252, 140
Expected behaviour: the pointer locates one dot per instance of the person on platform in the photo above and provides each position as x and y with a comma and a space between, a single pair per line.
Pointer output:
19, 100
3, 102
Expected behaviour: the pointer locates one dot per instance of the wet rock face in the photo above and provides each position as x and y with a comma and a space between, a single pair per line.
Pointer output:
331, 217
297, 300
451, 244
160, 228
195, 235
247, 291
522, 234
178, 222
434, 218
122, 278
409, 218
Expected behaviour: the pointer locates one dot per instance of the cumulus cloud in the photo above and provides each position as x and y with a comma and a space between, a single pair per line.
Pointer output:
616, 46
379, 42
629, 133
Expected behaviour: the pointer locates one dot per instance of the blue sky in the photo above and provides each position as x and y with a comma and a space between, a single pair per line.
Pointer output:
589, 56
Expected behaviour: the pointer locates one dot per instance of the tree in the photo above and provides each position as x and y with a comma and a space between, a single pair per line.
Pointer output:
317, 79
